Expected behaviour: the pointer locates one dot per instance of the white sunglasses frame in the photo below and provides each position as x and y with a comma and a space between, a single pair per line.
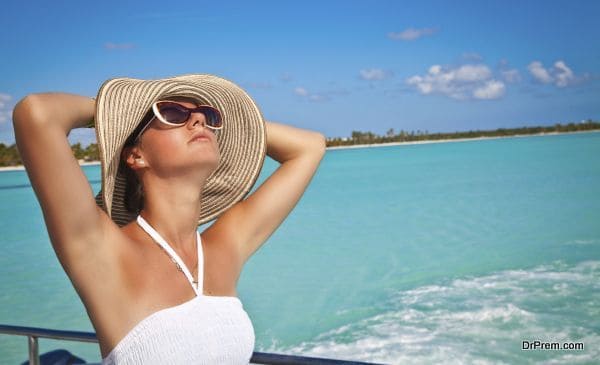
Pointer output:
162, 120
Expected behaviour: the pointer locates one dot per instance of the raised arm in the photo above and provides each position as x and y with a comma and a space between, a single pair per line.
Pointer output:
41, 124
253, 220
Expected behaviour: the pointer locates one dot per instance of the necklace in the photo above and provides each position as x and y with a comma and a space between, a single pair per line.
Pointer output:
175, 261
195, 268
171, 253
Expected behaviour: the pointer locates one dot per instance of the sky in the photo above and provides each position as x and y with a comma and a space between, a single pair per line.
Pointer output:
328, 66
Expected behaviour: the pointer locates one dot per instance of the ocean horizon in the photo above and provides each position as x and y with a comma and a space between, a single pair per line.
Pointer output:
454, 253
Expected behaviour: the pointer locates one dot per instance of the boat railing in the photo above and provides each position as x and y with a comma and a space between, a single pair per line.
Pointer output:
35, 333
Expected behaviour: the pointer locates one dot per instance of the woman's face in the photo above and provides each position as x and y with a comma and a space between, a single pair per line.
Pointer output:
172, 149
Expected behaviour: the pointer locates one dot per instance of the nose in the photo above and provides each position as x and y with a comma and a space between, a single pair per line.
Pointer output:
198, 119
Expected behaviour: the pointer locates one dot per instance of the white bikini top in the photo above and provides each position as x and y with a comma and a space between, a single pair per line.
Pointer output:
204, 330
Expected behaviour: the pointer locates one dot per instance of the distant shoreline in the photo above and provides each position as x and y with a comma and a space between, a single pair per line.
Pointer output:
453, 140
21, 167
87, 163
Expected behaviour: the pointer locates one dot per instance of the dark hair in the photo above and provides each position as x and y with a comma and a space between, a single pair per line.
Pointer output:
134, 194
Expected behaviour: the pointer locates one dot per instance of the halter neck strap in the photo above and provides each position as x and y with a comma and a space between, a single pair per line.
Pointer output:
169, 250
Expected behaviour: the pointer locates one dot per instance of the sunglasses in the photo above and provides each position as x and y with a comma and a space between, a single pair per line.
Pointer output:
175, 114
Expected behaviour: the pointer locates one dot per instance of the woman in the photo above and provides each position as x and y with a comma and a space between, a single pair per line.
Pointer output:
134, 275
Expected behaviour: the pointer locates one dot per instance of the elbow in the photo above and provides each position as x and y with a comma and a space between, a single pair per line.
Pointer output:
25, 111
314, 146
320, 142
21, 112
26, 117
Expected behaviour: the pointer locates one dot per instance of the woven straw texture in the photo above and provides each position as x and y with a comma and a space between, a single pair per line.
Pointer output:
121, 104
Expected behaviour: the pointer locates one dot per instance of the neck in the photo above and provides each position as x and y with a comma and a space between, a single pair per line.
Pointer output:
172, 208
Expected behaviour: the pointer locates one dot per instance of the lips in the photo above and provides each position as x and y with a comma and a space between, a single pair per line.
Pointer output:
198, 137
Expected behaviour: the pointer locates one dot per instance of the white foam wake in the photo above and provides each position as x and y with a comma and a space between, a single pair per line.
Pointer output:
480, 320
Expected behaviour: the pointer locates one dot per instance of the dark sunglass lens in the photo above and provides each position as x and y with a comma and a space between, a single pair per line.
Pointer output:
173, 113
213, 118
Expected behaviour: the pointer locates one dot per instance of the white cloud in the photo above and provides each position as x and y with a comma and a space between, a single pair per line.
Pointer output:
303, 93
564, 76
492, 89
4, 98
511, 75
559, 74
538, 71
5, 112
472, 73
472, 57
411, 34
300, 91
374, 74
318, 97
463, 82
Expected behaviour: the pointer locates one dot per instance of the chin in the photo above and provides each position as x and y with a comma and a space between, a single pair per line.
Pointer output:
208, 164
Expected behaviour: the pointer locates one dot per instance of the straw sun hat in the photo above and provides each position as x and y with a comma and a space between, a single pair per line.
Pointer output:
122, 103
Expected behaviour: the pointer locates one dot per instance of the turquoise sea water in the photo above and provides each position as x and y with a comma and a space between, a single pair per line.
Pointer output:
424, 254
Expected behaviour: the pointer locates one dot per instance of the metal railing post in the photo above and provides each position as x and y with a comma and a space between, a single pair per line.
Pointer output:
34, 356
